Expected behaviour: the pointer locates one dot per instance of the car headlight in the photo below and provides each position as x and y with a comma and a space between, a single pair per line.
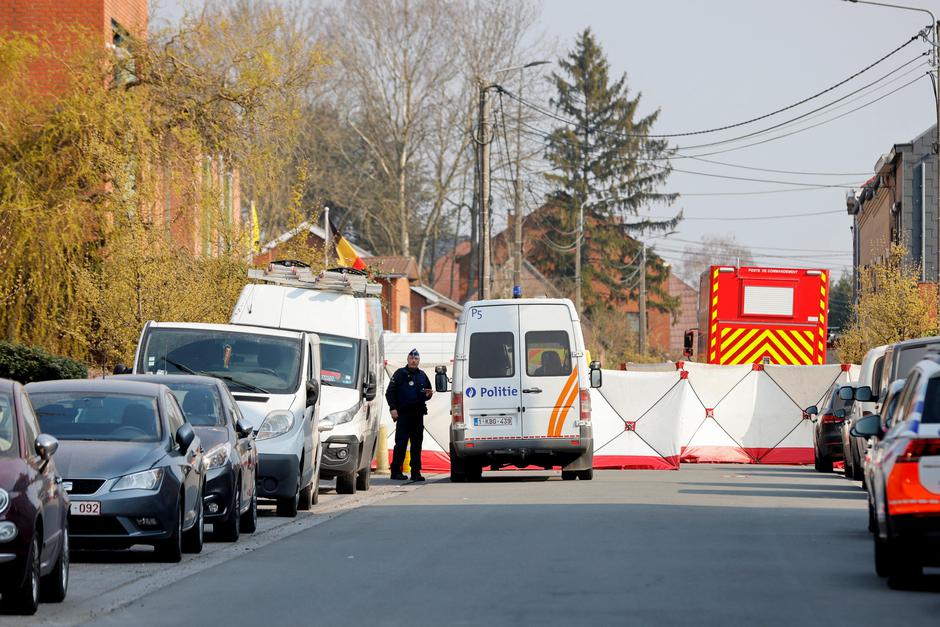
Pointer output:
146, 480
217, 456
7, 531
4, 500
276, 423
346, 415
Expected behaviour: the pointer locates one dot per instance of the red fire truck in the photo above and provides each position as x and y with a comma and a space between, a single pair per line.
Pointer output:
762, 315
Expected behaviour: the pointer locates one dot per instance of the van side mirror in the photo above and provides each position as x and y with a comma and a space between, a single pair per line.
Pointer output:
440, 378
688, 343
368, 388
121, 369
243, 428
867, 427
595, 375
864, 394
847, 393
313, 393
812, 410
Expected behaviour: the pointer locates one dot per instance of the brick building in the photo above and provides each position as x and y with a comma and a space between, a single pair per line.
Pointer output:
898, 205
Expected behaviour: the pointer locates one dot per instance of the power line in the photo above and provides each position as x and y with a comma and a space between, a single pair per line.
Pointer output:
727, 126
775, 171
752, 248
775, 217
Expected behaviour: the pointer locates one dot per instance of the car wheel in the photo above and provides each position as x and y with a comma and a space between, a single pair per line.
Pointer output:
24, 598
586, 475
287, 506
250, 518
364, 478
194, 539
569, 475
305, 500
823, 464
55, 585
871, 519
474, 472
881, 556
903, 566
230, 529
458, 472
346, 483
171, 549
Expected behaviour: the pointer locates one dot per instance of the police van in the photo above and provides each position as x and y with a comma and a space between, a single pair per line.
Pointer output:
521, 392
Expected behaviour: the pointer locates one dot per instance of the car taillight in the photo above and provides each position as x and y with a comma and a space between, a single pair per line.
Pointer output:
585, 404
456, 407
917, 448
831, 418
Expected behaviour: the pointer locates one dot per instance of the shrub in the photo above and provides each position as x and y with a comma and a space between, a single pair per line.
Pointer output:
29, 363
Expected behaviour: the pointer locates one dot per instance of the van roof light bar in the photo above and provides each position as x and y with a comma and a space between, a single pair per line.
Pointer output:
298, 274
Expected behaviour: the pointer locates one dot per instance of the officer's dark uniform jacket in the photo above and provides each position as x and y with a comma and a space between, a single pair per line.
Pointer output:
405, 391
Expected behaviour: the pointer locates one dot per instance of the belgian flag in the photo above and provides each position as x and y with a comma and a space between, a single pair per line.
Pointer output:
345, 254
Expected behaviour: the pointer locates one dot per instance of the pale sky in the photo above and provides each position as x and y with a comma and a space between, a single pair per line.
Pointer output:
708, 64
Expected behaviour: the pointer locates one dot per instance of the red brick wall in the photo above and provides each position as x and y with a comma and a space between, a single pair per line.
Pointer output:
58, 22
439, 321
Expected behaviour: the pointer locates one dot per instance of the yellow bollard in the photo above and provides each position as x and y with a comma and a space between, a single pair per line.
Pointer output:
381, 451
406, 467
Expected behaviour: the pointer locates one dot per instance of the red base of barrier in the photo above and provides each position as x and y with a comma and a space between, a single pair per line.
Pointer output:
796, 456
435, 461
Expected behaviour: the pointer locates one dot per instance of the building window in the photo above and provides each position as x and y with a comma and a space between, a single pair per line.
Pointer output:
404, 316
125, 66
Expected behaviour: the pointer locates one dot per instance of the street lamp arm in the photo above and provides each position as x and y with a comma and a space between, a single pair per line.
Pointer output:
933, 19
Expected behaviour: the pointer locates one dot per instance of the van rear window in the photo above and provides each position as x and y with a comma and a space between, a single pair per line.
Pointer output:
547, 354
931, 411
492, 355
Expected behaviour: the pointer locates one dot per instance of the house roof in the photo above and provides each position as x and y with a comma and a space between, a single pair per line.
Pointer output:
315, 230
390, 265
436, 298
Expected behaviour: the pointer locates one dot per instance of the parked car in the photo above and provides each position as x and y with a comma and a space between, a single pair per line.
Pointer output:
827, 424
855, 448
898, 360
275, 378
131, 462
874, 451
231, 456
905, 478
34, 543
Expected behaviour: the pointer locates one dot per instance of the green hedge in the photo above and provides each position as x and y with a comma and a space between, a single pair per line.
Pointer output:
30, 363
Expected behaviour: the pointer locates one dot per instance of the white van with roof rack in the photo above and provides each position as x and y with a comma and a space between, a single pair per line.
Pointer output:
274, 376
345, 311
521, 392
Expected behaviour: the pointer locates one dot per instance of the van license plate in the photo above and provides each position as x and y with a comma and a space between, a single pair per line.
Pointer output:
85, 508
492, 421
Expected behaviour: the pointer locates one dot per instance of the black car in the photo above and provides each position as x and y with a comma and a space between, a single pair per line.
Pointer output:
131, 463
231, 457
34, 543
827, 427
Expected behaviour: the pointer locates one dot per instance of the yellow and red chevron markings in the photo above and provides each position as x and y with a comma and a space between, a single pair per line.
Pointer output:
562, 404
745, 345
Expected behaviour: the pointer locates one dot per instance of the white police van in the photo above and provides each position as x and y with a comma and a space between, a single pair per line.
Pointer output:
520, 389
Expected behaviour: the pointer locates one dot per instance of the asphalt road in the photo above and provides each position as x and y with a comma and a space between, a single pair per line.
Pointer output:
712, 545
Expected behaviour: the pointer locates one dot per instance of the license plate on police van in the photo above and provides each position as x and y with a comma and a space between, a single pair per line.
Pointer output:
492, 421
85, 508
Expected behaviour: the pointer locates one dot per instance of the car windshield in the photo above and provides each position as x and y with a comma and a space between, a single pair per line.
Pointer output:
83, 415
247, 362
200, 403
909, 357
9, 440
340, 360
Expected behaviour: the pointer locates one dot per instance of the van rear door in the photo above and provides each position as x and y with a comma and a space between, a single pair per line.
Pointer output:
491, 385
549, 374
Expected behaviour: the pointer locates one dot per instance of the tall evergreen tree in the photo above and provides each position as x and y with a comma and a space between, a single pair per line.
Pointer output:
606, 160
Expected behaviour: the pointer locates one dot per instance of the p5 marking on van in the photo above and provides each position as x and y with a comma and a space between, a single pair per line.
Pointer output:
520, 389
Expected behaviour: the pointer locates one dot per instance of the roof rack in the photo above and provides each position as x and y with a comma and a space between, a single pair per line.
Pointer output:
294, 273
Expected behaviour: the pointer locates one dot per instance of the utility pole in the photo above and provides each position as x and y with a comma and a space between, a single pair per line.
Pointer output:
642, 304
483, 128
517, 208
577, 260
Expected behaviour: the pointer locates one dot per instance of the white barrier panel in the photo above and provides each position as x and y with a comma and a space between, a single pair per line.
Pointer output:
636, 419
434, 450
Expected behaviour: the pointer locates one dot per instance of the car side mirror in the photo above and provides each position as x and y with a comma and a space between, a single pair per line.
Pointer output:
325, 425
839, 413
847, 393
313, 393
46, 446
864, 394
243, 428
440, 378
867, 427
369, 389
121, 369
812, 410
185, 436
596, 377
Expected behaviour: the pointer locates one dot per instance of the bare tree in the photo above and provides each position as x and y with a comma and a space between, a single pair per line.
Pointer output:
715, 250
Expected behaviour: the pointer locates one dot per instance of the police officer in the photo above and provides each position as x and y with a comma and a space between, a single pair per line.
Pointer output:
407, 395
